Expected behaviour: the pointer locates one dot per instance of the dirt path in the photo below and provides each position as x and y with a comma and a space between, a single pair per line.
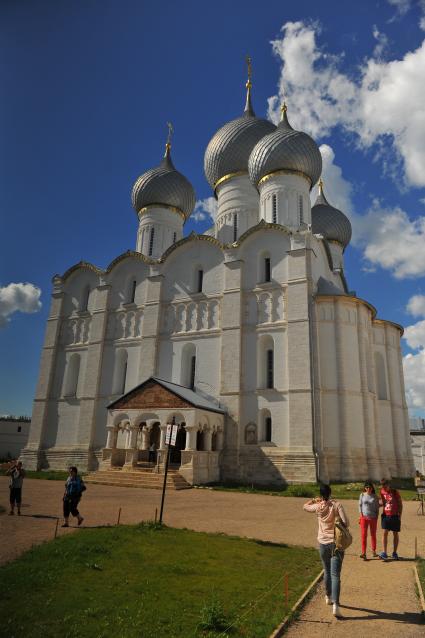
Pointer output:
383, 593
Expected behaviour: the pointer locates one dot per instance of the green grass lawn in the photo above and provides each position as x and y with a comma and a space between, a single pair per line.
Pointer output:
308, 490
47, 475
421, 572
144, 581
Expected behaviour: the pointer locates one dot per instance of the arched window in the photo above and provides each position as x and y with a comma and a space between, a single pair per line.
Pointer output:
85, 299
188, 366
265, 426
72, 374
274, 209
120, 372
381, 377
264, 267
268, 428
270, 369
265, 362
132, 291
151, 238
235, 226
267, 269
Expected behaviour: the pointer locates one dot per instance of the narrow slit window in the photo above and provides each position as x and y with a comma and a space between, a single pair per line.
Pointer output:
124, 377
274, 209
267, 269
200, 280
132, 295
192, 372
235, 227
174, 237
151, 238
301, 208
270, 375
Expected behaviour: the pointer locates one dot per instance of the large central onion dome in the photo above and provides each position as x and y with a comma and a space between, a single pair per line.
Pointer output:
329, 221
228, 152
285, 150
164, 186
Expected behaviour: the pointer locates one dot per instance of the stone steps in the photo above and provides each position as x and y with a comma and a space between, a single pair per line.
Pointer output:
140, 478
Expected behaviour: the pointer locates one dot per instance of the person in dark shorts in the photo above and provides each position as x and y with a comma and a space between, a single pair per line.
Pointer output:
74, 488
17, 475
392, 504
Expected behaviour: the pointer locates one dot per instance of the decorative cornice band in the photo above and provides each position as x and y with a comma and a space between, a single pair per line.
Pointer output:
225, 178
284, 171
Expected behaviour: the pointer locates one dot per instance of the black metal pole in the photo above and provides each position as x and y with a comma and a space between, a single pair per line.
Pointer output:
166, 471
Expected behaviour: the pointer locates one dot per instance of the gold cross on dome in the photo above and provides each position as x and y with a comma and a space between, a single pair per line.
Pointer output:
248, 61
170, 133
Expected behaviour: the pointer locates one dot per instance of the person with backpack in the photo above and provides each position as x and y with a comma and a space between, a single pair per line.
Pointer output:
390, 500
369, 510
334, 538
74, 488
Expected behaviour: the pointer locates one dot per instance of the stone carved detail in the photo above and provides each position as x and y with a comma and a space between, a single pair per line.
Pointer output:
191, 316
126, 324
76, 331
264, 307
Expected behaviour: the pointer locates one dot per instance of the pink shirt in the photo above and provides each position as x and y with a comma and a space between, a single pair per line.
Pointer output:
326, 511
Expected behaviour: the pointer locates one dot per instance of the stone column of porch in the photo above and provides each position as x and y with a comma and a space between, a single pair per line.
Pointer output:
207, 440
191, 432
132, 453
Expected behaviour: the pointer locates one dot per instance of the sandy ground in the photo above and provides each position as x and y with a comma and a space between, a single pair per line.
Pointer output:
382, 593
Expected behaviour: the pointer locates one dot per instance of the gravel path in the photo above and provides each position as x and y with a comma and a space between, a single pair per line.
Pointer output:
383, 593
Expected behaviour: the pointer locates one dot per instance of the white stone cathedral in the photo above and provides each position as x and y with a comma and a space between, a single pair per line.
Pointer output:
247, 336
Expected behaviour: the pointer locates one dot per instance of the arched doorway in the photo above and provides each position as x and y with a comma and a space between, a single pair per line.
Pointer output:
175, 453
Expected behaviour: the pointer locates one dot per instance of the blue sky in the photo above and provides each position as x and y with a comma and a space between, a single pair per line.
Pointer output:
87, 88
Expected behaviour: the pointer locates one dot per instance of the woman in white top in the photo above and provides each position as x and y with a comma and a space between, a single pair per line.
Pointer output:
326, 510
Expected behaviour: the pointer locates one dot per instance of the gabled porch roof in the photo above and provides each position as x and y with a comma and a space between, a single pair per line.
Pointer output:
144, 396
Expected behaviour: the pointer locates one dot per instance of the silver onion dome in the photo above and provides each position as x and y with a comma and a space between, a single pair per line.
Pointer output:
229, 149
329, 221
164, 186
285, 150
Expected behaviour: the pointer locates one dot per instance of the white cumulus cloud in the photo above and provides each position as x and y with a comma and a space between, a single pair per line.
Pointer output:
369, 105
337, 189
414, 362
205, 209
392, 240
416, 306
18, 297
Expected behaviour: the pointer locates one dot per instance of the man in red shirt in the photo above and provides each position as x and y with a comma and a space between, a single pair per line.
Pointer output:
392, 504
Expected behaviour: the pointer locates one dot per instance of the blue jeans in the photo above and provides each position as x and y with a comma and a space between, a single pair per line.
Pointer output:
332, 563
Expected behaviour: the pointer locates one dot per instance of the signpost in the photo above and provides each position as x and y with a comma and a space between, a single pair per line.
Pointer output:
170, 440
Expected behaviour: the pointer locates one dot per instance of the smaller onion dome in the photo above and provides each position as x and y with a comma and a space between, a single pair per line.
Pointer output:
164, 186
329, 221
285, 150
229, 149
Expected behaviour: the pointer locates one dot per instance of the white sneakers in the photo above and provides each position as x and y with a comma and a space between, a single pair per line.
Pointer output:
336, 611
335, 607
